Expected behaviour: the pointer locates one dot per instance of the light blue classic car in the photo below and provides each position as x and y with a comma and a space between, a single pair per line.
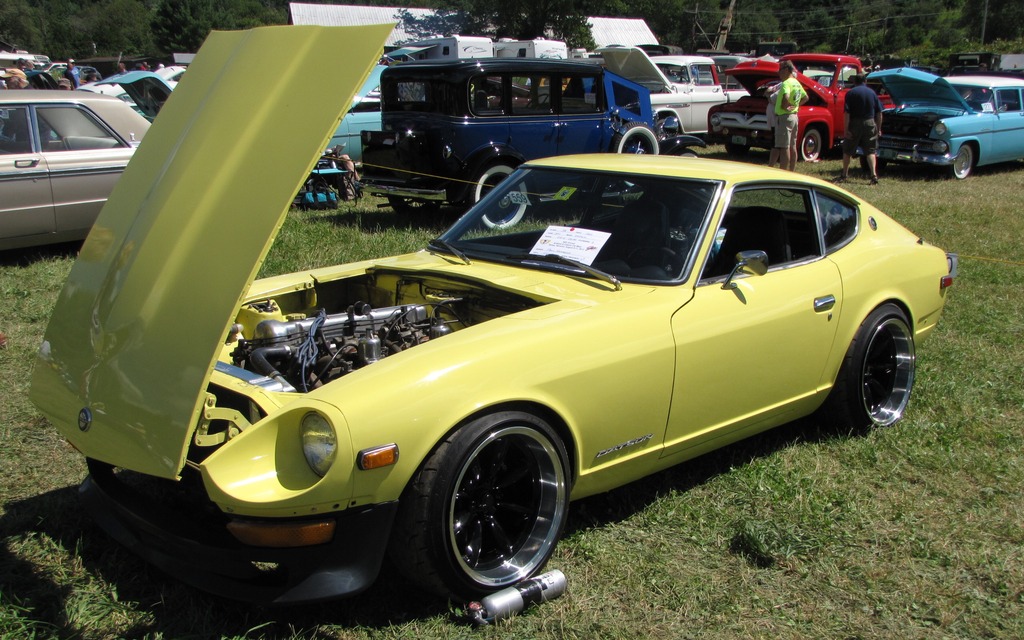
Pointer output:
363, 115
959, 122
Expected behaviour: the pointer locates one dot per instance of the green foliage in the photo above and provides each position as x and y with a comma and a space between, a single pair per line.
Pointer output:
927, 29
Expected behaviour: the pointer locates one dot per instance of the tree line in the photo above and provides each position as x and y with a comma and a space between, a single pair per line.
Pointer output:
923, 29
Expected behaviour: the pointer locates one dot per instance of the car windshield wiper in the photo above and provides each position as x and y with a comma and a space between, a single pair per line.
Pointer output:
552, 258
447, 247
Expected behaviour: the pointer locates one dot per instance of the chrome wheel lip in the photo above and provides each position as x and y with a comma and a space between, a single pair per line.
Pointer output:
549, 482
962, 162
889, 361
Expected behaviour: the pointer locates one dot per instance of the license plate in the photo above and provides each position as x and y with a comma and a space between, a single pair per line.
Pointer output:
739, 140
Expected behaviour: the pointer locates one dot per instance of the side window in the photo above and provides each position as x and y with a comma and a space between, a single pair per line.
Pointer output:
676, 73
485, 95
72, 129
1008, 99
838, 221
579, 94
531, 95
845, 74
704, 75
778, 221
15, 136
626, 97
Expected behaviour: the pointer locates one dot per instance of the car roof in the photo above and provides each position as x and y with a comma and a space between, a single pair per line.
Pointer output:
986, 81
49, 96
677, 167
128, 124
495, 64
682, 59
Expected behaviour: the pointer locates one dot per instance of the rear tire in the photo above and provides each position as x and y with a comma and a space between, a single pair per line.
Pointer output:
874, 383
486, 508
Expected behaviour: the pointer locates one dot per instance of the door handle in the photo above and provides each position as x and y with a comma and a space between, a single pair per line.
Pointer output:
824, 303
26, 164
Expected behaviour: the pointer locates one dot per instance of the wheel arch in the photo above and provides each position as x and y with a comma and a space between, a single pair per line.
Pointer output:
476, 162
552, 417
975, 146
859, 315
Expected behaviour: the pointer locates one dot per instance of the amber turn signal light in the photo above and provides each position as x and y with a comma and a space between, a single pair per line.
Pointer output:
377, 457
280, 535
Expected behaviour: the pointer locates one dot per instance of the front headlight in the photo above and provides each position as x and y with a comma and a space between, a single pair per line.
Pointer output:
716, 120
940, 128
319, 442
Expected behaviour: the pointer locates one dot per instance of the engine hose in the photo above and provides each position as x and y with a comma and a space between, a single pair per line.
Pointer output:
260, 359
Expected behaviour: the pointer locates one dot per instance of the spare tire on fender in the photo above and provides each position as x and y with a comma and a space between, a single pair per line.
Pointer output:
636, 138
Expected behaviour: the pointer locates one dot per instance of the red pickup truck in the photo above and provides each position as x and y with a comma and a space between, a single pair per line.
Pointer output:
744, 124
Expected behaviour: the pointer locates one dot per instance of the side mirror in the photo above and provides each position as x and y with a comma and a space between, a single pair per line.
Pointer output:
753, 262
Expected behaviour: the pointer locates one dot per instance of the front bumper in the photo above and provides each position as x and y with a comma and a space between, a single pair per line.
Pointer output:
916, 150
192, 547
915, 155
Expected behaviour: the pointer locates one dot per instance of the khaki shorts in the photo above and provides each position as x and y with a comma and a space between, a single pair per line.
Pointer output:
786, 131
863, 134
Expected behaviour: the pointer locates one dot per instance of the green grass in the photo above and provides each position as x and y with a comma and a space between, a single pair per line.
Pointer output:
911, 532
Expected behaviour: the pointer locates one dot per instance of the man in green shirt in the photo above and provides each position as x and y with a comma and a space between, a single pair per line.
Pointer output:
791, 96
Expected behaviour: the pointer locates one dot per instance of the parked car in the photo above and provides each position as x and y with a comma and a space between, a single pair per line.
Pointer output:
743, 124
958, 122
594, 319
144, 91
682, 87
733, 89
363, 115
451, 129
60, 154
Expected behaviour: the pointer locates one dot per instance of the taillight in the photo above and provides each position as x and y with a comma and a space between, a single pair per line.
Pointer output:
952, 262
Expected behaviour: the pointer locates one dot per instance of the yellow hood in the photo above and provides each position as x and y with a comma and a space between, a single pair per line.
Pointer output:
133, 336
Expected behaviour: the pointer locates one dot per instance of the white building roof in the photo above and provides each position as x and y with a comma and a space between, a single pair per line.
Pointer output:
345, 15
629, 31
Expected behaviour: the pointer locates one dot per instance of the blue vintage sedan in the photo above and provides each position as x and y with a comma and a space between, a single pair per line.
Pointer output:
959, 122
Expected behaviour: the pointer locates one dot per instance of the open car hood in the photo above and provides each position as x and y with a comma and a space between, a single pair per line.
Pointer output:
634, 64
135, 332
910, 86
755, 74
148, 90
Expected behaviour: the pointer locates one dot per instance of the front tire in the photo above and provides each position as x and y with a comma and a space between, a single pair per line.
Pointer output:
812, 145
963, 163
874, 383
486, 508
737, 150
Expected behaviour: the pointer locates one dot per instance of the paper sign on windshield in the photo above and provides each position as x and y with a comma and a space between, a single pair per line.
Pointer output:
581, 245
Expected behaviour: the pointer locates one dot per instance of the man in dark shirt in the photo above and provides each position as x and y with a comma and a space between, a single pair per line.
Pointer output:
863, 117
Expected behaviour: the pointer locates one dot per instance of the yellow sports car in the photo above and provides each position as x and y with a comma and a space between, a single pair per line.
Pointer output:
592, 320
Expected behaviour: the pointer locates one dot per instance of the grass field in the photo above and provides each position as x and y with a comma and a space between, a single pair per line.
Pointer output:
916, 531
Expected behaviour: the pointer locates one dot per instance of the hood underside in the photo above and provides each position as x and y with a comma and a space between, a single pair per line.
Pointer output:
122, 368
910, 86
634, 63
756, 74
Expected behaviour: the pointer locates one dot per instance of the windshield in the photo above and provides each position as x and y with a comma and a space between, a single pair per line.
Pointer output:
627, 226
978, 98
